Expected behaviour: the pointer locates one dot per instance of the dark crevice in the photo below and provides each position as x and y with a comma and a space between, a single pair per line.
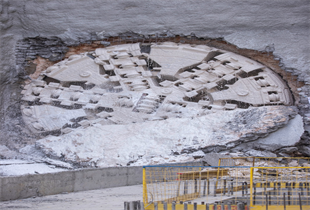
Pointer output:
49, 80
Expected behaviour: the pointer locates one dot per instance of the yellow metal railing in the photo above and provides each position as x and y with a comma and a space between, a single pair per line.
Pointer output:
273, 183
178, 206
208, 184
280, 188
265, 161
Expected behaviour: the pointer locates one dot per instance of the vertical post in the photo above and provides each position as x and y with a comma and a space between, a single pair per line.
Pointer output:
185, 206
289, 194
145, 200
165, 206
215, 188
185, 187
295, 187
224, 187
173, 206
254, 194
208, 192
218, 173
232, 188
138, 205
195, 206
196, 186
301, 188
204, 187
126, 205
179, 185
131, 205
240, 206
251, 186
199, 184
284, 203
300, 205
155, 206
242, 189
266, 201
228, 206
308, 191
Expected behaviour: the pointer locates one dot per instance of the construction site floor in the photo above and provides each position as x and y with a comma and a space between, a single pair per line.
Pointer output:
104, 199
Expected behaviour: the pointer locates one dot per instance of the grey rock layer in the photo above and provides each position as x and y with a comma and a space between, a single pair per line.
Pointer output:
114, 144
276, 26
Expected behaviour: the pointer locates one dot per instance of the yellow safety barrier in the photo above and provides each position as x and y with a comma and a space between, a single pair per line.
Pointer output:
208, 184
280, 188
161, 206
277, 186
265, 161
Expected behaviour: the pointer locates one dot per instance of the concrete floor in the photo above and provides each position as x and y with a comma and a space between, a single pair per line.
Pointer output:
104, 199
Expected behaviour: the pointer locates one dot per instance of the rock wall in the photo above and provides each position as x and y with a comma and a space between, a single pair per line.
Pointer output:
50, 29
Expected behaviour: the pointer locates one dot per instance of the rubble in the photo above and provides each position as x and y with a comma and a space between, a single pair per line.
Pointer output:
117, 145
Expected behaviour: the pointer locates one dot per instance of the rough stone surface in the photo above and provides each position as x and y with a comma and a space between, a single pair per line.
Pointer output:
305, 151
5, 152
256, 153
284, 137
110, 145
212, 159
289, 150
278, 27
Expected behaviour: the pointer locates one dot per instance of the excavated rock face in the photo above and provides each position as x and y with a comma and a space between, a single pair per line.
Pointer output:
134, 103
35, 35
121, 91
